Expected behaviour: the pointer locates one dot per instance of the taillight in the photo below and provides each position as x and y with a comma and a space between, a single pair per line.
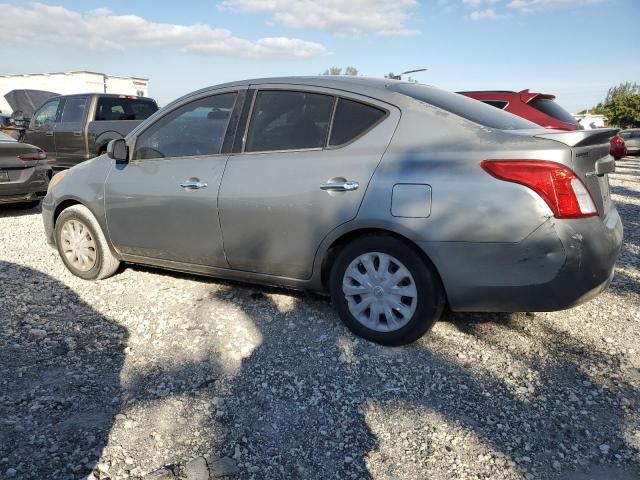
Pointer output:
39, 155
558, 185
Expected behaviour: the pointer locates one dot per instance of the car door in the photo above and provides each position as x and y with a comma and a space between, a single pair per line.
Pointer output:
306, 161
69, 137
162, 204
41, 128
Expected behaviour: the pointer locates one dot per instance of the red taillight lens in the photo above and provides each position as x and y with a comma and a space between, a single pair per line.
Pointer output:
558, 185
40, 155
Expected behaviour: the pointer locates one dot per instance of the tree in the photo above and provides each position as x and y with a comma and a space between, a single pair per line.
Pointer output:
621, 105
624, 110
352, 71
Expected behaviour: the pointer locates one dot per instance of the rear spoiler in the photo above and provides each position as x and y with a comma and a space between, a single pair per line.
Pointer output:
581, 138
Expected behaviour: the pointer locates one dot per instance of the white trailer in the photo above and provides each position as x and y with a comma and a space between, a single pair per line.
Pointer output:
66, 83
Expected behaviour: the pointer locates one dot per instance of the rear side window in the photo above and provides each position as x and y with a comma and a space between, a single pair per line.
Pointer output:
551, 108
74, 108
117, 108
464, 107
353, 119
197, 128
501, 104
289, 120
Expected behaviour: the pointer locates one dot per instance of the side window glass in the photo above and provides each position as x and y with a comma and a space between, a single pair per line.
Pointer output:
353, 119
287, 120
46, 115
73, 110
496, 103
196, 128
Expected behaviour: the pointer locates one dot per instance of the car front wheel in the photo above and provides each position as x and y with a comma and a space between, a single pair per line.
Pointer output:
82, 245
385, 291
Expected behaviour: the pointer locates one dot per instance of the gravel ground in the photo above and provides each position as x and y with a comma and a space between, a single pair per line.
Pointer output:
117, 378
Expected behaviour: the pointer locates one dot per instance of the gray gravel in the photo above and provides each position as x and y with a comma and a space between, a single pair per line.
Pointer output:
164, 375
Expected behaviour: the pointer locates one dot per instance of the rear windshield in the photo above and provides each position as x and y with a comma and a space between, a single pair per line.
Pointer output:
551, 108
116, 108
464, 107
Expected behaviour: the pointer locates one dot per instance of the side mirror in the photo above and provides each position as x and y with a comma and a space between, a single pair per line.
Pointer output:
17, 116
117, 150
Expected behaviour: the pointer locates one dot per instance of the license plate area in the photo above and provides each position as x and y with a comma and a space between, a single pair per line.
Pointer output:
4, 175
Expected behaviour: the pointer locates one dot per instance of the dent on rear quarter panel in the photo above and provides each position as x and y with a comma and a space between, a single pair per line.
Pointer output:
444, 151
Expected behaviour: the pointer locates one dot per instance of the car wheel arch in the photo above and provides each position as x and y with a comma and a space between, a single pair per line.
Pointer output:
70, 202
331, 253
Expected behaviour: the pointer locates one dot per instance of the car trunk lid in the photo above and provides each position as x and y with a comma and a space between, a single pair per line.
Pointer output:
591, 160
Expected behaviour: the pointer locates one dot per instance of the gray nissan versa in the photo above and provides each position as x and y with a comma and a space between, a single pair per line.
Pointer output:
395, 198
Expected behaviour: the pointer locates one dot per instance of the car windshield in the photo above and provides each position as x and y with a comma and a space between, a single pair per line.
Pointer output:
551, 108
6, 138
464, 107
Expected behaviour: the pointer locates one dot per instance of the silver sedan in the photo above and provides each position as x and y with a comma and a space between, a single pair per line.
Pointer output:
397, 199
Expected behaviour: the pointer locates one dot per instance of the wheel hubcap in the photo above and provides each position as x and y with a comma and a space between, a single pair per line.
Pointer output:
380, 291
78, 245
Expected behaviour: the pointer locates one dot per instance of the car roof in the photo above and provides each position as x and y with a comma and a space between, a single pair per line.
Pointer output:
368, 86
104, 95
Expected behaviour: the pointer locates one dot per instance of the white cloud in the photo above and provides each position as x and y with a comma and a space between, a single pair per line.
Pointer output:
477, 3
100, 29
488, 14
544, 4
352, 17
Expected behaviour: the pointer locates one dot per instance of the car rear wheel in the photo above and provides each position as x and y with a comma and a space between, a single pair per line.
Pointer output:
384, 291
82, 245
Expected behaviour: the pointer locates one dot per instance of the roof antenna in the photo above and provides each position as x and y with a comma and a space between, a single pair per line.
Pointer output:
399, 77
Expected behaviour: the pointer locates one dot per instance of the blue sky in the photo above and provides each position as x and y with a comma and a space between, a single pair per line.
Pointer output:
574, 49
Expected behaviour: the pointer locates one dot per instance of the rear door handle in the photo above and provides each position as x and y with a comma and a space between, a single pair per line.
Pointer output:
77, 134
48, 133
346, 186
192, 184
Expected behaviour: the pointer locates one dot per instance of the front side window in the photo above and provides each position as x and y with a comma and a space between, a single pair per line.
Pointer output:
74, 108
197, 128
289, 120
46, 115
124, 108
352, 119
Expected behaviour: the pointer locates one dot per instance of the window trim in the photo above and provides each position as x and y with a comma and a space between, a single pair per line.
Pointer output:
336, 98
134, 143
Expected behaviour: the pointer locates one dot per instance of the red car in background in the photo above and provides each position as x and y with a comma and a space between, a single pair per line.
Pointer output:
539, 108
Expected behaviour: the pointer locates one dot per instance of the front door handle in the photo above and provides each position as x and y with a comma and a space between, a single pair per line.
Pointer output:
193, 184
48, 133
346, 186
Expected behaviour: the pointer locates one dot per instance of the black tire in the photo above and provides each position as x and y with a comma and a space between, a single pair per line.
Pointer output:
105, 263
430, 293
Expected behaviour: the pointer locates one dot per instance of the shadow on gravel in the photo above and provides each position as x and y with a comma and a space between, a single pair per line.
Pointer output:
60, 365
303, 404
12, 210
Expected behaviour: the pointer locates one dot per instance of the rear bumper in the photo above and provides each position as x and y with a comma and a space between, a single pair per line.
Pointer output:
26, 190
560, 265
